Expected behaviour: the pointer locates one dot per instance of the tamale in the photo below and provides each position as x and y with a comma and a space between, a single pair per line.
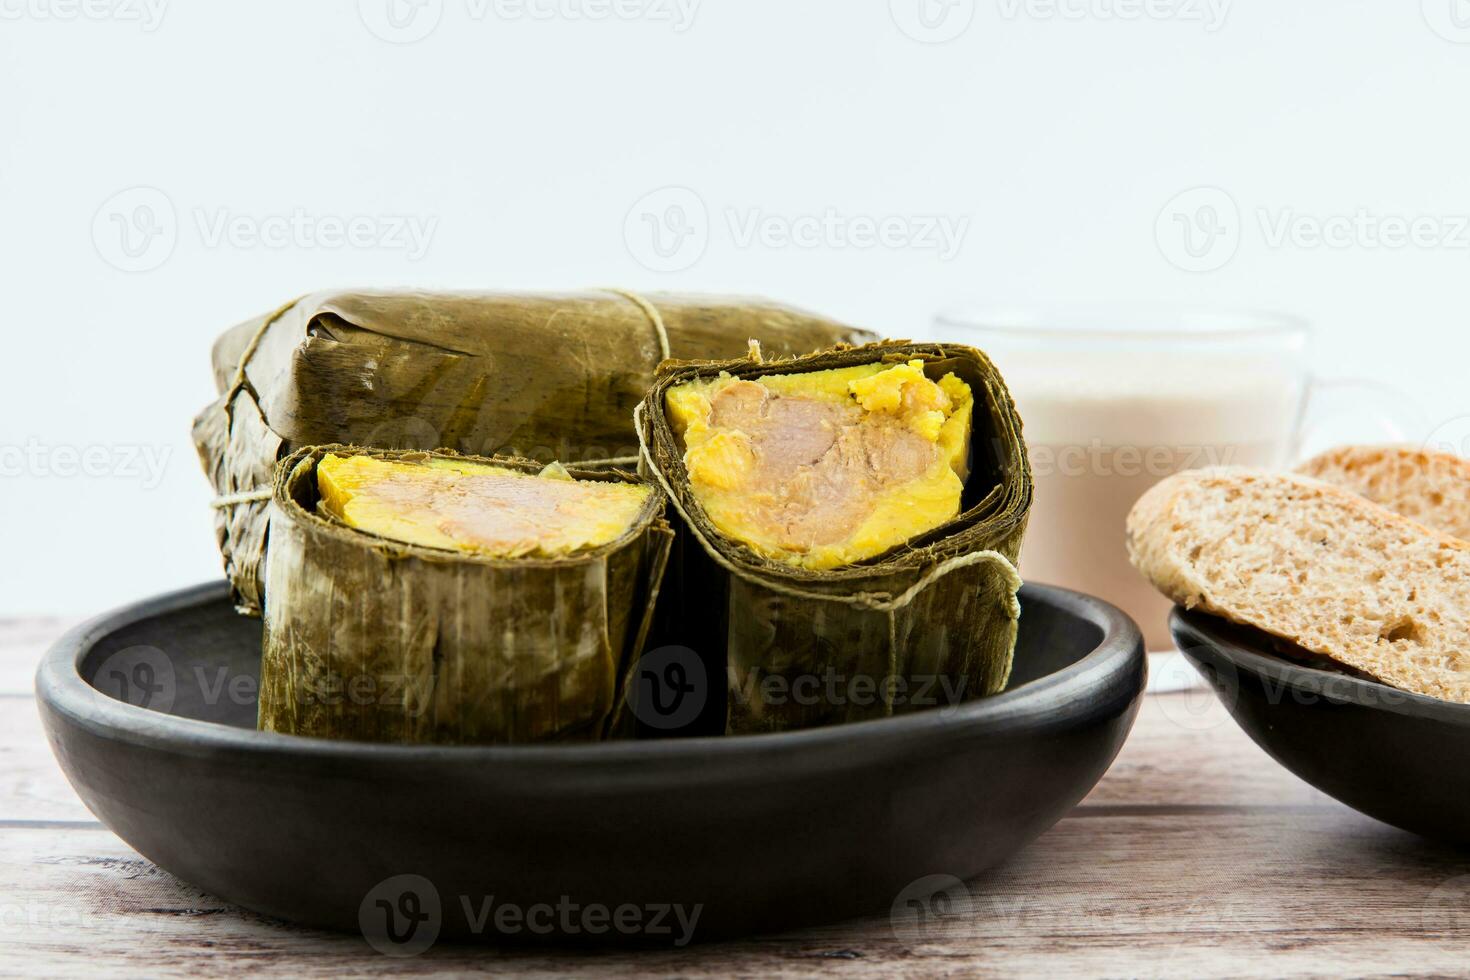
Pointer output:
851, 524
825, 468
548, 377
429, 597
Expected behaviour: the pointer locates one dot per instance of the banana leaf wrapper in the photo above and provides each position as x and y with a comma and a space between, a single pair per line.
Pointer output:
542, 376
374, 640
926, 624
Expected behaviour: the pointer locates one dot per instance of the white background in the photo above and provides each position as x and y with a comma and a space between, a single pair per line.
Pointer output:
1059, 135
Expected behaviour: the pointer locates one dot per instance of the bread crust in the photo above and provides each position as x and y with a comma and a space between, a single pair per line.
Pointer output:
1315, 565
1432, 488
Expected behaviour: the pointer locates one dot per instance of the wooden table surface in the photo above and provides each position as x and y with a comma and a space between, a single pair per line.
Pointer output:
1196, 855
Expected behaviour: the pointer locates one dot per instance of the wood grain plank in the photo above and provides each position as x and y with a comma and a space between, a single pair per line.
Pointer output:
1196, 855
31, 784
1185, 750
22, 641
1268, 894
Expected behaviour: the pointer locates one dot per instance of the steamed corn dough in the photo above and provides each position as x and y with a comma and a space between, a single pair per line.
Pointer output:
826, 468
477, 508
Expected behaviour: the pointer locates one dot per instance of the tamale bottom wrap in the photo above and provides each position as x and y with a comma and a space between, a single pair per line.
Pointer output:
927, 624
376, 640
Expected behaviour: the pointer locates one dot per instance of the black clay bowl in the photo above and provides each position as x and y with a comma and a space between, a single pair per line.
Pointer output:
1399, 757
758, 832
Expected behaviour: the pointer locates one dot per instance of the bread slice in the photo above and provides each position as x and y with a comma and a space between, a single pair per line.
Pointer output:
1432, 488
1315, 565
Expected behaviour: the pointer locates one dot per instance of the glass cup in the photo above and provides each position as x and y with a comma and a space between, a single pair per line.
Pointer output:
1112, 401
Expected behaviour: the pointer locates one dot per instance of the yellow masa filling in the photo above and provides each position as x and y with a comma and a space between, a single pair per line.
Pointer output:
477, 508
826, 468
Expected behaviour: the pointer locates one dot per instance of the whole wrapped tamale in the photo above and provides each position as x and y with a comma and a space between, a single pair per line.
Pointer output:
851, 523
438, 598
540, 376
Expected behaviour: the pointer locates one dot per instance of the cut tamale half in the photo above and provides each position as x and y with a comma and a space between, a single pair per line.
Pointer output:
851, 523
825, 468
436, 598
542, 376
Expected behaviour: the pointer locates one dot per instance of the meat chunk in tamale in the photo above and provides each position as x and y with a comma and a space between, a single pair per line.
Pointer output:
826, 468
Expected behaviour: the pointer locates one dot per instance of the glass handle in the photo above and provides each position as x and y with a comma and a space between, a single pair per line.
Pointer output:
1341, 411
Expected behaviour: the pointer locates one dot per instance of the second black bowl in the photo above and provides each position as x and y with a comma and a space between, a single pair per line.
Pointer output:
1400, 757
